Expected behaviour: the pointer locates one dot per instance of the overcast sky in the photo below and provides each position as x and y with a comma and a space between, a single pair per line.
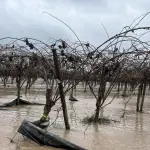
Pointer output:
24, 18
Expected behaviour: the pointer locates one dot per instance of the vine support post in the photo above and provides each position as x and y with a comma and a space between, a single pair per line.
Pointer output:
60, 86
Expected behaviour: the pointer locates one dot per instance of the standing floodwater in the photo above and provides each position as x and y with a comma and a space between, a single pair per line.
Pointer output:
131, 133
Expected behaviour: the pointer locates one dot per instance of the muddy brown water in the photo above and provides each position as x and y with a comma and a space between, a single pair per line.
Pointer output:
132, 133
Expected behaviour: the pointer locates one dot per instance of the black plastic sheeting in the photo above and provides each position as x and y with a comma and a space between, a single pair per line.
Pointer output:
45, 138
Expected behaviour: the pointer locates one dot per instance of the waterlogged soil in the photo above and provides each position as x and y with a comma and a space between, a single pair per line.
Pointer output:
131, 133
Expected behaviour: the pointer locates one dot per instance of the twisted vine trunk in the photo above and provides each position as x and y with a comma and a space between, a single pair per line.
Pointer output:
125, 89
143, 96
118, 89
101, 92
138, 97
18, 80
49, 104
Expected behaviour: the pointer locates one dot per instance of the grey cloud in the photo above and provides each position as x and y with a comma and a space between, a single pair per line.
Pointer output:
20, 18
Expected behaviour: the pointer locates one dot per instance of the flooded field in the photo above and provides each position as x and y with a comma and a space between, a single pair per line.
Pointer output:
131, 133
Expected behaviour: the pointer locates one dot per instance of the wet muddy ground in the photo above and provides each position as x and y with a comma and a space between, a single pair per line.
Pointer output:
131, 133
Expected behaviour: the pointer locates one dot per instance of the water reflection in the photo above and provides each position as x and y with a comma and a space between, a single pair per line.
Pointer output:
131, 133
139, 122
